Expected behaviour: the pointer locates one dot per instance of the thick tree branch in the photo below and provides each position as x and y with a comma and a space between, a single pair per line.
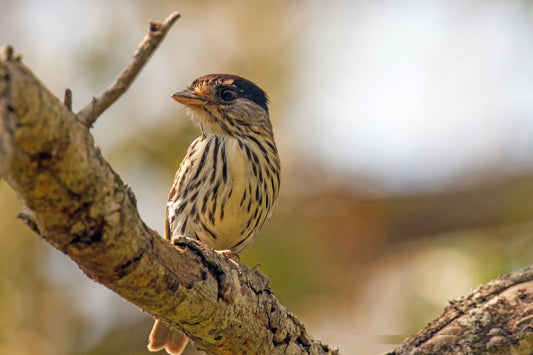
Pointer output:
496, 318
75, 201
156, 33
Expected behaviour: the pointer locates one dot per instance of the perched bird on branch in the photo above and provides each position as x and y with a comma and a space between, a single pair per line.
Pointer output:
226, 185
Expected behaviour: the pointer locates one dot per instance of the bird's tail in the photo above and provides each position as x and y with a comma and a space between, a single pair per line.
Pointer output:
165, 337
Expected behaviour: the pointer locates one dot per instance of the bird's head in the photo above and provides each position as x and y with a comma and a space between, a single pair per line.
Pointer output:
226, 104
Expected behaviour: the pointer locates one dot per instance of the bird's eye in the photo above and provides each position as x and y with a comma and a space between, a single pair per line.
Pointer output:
228, 94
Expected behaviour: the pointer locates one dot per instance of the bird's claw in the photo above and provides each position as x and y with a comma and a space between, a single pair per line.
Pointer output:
229, 254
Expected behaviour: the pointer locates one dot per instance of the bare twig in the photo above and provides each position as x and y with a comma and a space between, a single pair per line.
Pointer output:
156, 32
67, 100
7, 53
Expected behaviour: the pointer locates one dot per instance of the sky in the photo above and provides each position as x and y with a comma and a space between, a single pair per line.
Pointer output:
418, 93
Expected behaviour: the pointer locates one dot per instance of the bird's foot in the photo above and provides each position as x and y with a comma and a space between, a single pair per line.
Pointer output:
229, 254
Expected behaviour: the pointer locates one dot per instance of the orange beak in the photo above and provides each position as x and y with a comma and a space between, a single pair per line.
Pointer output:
188, 98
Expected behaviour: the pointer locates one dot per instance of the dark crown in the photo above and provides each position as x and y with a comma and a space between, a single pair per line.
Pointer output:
245, 88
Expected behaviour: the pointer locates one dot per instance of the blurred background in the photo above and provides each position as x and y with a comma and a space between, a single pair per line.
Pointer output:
405, 130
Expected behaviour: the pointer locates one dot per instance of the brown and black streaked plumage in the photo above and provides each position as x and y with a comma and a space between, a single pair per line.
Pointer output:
228, 182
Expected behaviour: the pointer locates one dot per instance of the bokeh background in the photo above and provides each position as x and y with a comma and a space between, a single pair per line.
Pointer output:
405, 130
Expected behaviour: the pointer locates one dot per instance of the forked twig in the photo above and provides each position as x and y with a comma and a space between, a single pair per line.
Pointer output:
156, 32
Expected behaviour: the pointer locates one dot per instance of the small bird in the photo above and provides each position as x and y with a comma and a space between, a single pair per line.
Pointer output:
227, 184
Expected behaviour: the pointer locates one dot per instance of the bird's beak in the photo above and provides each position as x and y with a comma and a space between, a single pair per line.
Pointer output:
188, 98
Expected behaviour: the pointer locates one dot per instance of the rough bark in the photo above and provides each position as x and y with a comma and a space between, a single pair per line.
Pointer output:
74, 200
496, 318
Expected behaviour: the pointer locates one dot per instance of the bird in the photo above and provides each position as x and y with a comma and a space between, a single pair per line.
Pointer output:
226, 186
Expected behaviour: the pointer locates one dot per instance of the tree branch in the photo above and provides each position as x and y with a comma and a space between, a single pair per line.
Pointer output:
67, 99
75, 201
152, 39
496, 318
